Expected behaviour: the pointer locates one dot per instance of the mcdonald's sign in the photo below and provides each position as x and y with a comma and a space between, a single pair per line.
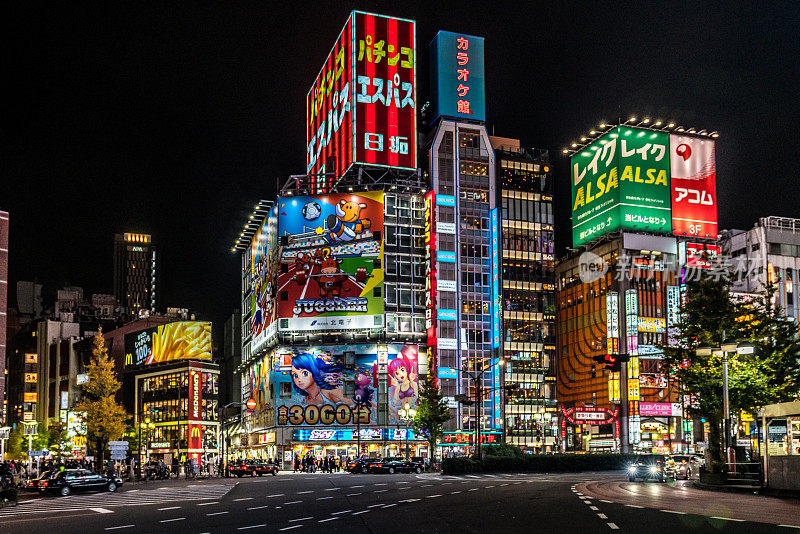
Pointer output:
195, 437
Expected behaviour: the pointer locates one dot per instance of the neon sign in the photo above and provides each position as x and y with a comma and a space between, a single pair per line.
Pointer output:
430, 278
457, 76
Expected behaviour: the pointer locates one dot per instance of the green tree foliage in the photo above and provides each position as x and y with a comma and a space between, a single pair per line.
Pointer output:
104, 418
432, 412
17, 444
770, 375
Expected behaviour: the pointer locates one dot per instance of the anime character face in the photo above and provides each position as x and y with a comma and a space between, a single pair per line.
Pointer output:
302, 378
401, 374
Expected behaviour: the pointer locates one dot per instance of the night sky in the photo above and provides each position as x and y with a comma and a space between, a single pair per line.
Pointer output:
174, 119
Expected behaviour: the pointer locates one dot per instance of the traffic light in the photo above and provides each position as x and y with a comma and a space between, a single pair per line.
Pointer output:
612, 362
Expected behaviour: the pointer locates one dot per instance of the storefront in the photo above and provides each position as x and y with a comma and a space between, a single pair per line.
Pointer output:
340, 443
590, 429
462, 442
177, 411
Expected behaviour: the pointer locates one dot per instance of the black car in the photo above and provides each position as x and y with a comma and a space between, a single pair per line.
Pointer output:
361, 465
658, 467
66, 482
33, 484
395, 465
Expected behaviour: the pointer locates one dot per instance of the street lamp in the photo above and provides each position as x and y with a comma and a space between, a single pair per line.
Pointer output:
250, 404
727, 346
407, 414
476, 379
359, 402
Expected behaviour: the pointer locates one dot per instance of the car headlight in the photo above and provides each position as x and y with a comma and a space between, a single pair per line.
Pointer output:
632, 469
654, 469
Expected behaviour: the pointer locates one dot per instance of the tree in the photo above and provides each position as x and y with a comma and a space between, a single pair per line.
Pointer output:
17, 443
432, 412
770, 375
104, 418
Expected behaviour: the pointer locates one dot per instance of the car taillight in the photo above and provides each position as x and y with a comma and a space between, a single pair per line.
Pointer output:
44, 483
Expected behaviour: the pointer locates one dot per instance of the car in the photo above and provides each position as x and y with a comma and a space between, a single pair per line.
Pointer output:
658, 467
683, 466
72, 480
33, 484
243, 467
361, 465
265, 468
395, 465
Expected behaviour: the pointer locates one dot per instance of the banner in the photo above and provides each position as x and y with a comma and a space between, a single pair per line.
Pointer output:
180, 340
264, 273
694, 186
331, 254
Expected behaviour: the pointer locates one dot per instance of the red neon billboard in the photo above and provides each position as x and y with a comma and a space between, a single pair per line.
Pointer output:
693, 168
362, 106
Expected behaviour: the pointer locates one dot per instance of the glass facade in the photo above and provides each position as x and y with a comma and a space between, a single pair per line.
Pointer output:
525, 184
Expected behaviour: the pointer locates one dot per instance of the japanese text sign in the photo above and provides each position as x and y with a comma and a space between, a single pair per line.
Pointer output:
694, 186
457, 76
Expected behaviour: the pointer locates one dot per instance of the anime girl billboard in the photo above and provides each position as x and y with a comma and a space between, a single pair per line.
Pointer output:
403, 381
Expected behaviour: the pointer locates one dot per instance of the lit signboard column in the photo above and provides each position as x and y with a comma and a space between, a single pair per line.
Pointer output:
632, 342
694, 189
612, 343
457, 76
497, 311
195, 411
385, 87
430, 280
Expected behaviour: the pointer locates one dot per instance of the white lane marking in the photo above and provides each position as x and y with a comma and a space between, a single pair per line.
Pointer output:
168, 508
789, 526
410, 500
332, 489
432, 496
323, 498
361, 512
487, 487
595, 508
121, 526
218, 513
605, 501
243, 499
379, 491
454, 492
300, 519
170, 520
382, 484
634, 506
258, 507
375, 505
253, 526
342, 512
359, 486
292, 502
275, 495
326, 520
673, 512
290, 528
473, 489
390, 505
208, 503
352, 494
403, 482
426, 486
101, 510
612, 526
501, 485
727, 519
602, 516
302, 492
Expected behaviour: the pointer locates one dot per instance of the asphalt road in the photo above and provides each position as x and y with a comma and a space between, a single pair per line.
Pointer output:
403, 504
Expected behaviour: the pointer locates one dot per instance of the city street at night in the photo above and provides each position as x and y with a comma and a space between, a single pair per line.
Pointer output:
579, 502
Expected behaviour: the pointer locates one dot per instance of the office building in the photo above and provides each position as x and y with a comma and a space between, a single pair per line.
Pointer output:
136, 273
525, 189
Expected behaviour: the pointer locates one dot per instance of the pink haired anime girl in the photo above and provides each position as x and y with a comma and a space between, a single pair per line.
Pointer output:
404, 387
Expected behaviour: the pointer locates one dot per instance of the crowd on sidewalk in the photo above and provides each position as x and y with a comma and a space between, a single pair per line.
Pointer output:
328, 464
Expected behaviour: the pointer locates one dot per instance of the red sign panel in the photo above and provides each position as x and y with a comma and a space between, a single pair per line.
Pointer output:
702, 256
468, 438
385, 91
195, 396
329, 119
694, 186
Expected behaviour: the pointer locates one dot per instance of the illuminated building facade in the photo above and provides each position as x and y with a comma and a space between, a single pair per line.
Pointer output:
525, 189
3, 312
136, 272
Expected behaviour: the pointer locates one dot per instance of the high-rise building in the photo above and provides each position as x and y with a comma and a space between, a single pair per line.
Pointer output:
767, 254
525, 191
3, 311
136, 272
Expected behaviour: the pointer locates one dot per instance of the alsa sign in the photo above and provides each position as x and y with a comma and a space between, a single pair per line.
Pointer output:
362, 106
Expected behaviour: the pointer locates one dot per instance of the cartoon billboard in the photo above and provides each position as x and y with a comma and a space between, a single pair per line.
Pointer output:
264, 267
331, 272
403, 381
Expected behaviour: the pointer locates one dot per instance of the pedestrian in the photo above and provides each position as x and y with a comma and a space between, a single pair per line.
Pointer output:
296, 463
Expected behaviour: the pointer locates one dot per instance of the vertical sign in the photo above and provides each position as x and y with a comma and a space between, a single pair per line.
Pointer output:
195, 410
612, 322
496, 306
329, 135
673, 314
430, 279
694, 186
457, 76
385, 92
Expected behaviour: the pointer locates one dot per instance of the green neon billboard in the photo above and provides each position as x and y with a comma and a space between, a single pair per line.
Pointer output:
622, 180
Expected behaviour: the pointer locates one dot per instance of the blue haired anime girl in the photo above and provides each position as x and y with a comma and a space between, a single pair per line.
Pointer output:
308, 379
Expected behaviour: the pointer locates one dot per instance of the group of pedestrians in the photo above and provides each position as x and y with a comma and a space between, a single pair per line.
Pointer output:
310, 463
